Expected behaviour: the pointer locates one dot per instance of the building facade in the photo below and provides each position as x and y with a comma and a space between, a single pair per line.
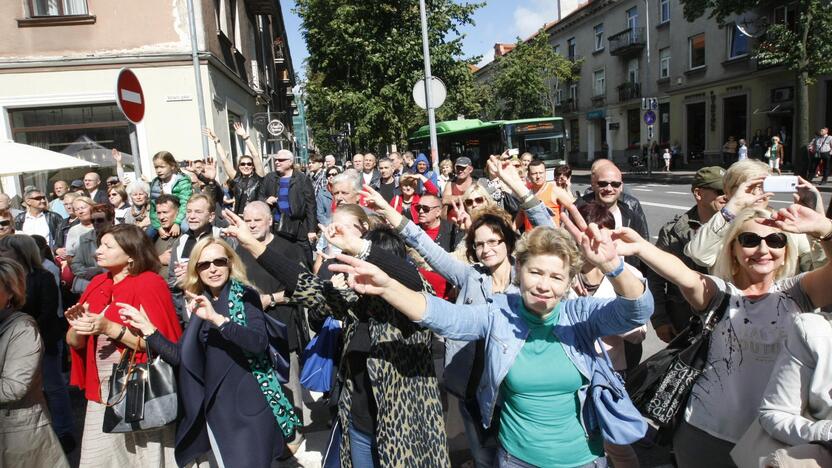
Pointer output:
59, 60
706, 84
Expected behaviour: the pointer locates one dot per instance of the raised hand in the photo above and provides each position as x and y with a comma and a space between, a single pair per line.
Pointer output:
373, 199
363, 277
239, 229
116, 156
463, 219
808, 195
799, 219
748, 194
210, 134
627, 241
337, 235
595, 244
209, 168
136, 318
240, 130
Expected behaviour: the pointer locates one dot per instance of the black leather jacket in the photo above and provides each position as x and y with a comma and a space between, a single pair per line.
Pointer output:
53, 220
245, 189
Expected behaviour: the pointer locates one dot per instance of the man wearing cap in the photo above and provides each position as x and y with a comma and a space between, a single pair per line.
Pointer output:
92, 183
77, 186
455, 189
672, 313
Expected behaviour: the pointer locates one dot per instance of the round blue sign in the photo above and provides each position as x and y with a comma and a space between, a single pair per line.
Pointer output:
649, 117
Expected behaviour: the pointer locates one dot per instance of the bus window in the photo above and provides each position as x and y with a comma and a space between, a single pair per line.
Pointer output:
546, 147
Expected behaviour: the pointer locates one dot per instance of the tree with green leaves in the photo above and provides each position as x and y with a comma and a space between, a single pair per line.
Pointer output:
526, 79
365, 57
803, 46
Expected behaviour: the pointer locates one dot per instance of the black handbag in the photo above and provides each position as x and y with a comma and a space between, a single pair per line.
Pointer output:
142, 396
660, 386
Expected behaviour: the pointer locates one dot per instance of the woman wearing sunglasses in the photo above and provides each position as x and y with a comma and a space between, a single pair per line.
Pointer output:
323, 199
407, 201
489, 246
222, 382
248, 176
756, 268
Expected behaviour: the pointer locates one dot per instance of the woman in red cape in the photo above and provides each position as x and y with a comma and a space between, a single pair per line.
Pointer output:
97, 338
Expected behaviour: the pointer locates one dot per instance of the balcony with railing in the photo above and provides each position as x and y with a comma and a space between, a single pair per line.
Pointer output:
599, 100
627, 42
628, 90
568, 105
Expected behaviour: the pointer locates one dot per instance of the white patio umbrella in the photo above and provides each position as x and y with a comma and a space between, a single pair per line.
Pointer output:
17, 158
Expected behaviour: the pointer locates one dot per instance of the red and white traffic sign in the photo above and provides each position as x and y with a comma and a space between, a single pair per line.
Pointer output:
129, 95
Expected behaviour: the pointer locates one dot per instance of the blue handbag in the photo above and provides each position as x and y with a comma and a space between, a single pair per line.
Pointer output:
620, 422
319, 358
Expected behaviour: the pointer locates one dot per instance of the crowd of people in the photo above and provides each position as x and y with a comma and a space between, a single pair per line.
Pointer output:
520, 298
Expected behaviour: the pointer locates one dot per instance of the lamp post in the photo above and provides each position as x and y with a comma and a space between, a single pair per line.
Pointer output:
434, 150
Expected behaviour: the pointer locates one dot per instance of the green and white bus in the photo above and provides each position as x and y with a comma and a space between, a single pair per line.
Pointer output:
543, 137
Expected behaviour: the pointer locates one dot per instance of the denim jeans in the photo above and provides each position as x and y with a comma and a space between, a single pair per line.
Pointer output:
506, 460
363, 449
57, 395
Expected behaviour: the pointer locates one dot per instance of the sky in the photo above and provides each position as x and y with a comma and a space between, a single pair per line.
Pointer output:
496, 21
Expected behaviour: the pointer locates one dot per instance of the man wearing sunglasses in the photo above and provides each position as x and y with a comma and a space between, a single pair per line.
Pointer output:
672, 312
456, 188
445, 233
6, 224
37, 220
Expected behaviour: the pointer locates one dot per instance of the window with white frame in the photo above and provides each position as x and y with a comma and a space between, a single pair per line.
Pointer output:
570, 48
738, 43
632, 70
573, 92
696, 53
57, 7
664, 63
664, 11
599, 83
559, 96
599, 36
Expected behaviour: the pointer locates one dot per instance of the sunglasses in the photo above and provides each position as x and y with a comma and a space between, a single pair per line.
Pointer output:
425, 208
283, 160
244, 164
38, 198
220, 262
775, 240
5, 223
461, 168
472, 201
112, 182
605, 183
331, 174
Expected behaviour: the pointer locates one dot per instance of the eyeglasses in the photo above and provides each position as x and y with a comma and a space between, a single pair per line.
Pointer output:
38, 198
775, 240
474, 201
245, 164
425, 208
491, 243
605, 183
219, 262
5, 223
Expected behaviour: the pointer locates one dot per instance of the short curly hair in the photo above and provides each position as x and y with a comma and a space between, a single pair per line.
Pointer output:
549, 241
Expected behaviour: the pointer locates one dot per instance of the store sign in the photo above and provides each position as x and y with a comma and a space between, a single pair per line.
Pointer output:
129, 96
275, 127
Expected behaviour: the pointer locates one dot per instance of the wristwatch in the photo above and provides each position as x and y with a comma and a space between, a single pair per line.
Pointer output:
273, 302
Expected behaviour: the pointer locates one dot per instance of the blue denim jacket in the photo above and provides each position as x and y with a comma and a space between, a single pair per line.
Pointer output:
474, 285
504, 330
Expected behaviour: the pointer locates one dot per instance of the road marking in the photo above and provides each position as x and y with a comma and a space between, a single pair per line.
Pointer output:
679, 193
642, 190
662, 205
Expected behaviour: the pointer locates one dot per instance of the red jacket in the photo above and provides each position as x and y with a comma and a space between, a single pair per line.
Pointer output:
398, 203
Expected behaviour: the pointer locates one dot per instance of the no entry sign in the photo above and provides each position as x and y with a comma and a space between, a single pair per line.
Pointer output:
129, 95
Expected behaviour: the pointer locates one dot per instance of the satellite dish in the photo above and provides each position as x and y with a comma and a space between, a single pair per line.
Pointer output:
751, 25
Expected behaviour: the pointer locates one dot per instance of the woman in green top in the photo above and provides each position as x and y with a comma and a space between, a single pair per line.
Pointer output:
775, 155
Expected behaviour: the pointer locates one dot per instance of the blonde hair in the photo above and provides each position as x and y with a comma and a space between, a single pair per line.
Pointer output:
475, 189
237, 271
549, 241
84, 199
726, 266
742, 171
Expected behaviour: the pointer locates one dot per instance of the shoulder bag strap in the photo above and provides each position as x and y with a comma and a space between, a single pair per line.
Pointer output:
715, 315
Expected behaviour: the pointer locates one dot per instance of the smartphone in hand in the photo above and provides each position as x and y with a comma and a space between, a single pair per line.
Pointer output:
783, 184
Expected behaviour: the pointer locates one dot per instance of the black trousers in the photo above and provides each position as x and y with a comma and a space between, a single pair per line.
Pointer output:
821, 157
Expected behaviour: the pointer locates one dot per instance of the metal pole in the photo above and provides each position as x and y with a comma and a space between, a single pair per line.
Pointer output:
200, 102
434, 147
647, 77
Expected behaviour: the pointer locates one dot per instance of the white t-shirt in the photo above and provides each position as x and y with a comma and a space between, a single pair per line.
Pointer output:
73, 237
616, 214
37, 225
744, 346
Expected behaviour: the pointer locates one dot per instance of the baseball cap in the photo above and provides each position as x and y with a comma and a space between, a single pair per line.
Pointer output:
112, 180
709, 177
77, 183
463, 161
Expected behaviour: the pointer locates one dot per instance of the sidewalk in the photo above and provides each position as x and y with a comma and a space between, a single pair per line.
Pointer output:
673, 178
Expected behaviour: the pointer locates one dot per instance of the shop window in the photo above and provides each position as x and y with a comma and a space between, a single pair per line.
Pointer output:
39, 8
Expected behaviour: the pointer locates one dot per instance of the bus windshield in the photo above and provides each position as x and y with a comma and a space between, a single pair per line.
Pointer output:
543, 138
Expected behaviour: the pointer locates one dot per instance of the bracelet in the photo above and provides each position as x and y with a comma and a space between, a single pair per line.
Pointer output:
727, 214
617, 271
121, 334
826, 237
402, 224
527, 198
365, 251
246, 138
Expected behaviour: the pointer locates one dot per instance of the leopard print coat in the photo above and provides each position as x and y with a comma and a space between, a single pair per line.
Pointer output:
410, 428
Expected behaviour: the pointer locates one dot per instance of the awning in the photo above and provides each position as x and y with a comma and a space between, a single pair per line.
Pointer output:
781, 108
17, 158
